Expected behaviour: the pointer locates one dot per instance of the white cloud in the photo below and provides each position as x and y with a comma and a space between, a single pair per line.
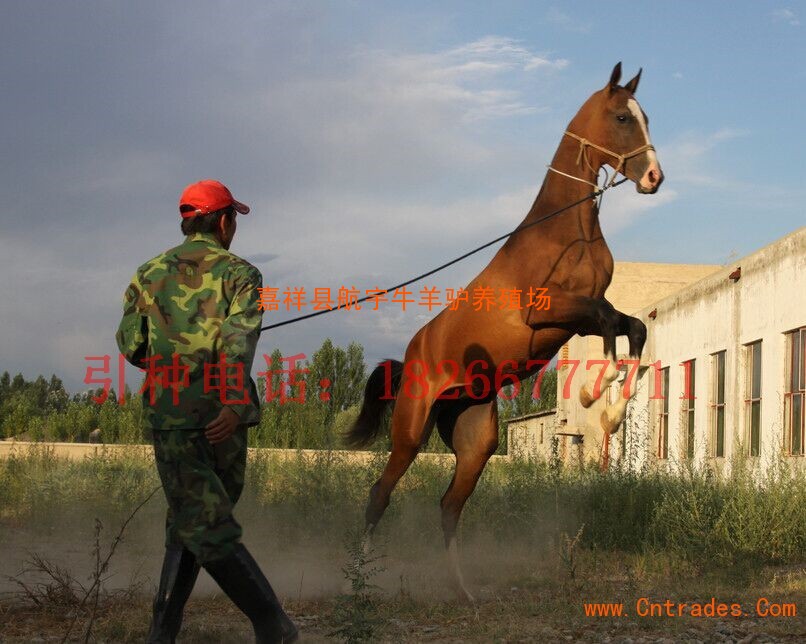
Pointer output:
696, 160
385, 241
497, 52
362, 166
384, 174
384, 122
469, 77
622, 206
120, 172
562, 19
60, 313
786, 15
686, 159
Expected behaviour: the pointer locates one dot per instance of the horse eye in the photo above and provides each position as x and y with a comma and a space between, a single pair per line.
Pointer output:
621, 118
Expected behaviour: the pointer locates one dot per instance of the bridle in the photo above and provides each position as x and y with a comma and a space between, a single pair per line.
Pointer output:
584, 144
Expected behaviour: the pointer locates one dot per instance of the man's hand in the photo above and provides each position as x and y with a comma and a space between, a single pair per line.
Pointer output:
223, 426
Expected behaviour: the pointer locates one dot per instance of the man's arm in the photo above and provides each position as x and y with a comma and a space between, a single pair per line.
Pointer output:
132, 335
240, 330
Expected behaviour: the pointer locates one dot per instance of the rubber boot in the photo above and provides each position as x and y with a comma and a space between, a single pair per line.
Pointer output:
241, 579
179, 572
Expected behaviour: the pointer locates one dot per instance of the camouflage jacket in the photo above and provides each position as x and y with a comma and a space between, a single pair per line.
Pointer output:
191, 306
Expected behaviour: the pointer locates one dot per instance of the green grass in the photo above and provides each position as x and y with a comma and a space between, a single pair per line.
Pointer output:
538, 540
697, 517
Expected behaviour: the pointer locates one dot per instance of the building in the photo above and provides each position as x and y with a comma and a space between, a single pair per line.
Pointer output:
725, 359
572, 430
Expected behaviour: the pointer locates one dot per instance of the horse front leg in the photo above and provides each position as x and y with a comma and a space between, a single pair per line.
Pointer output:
635, 330
584, 316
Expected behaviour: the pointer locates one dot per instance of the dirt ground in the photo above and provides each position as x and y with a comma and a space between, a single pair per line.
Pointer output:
531, 583
523, 616
519, 599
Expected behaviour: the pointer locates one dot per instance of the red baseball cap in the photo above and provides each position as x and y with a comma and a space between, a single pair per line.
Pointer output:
207, 196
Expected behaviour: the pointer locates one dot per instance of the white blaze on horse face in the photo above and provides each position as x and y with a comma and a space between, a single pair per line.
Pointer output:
654, 167
635, 110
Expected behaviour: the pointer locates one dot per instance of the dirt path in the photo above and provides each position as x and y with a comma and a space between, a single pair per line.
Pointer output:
535, 607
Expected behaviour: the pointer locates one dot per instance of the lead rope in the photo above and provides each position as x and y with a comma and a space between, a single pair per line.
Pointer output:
597, 193
598, 196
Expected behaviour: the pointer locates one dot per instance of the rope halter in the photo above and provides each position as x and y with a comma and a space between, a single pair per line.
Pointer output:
584, 144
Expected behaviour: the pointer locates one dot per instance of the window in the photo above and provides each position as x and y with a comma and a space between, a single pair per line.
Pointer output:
718, 404
752, 397
663, 426
794, 394
688, 407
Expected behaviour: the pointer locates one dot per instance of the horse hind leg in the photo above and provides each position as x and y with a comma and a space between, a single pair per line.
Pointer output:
474, 438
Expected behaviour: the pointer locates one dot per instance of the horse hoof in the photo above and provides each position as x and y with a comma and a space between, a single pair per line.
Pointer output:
608, 425
585, 399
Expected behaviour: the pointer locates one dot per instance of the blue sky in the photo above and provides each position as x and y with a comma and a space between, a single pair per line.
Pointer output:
373, 140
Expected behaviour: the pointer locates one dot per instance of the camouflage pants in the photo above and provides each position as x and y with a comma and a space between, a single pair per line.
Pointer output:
202, 483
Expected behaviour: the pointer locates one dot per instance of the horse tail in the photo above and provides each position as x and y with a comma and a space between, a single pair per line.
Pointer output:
368, 424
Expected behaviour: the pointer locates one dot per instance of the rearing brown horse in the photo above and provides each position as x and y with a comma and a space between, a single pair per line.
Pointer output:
450, 356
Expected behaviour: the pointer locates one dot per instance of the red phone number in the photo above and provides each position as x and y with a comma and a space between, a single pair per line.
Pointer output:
478, 384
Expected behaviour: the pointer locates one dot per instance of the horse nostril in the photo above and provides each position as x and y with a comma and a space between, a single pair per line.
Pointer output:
653, 177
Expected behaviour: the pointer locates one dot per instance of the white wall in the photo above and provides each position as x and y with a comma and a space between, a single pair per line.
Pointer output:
718, 314
708, 315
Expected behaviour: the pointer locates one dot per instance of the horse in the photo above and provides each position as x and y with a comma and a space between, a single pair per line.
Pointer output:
441, 380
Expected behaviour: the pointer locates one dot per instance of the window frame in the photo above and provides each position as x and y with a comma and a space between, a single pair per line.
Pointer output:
718, 358
751, 400
663, 418
795, 390
689, 406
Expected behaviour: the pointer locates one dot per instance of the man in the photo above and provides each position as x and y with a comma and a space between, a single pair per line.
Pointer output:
191, 319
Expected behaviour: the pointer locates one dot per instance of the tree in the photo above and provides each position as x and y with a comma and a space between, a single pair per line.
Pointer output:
272, 429
309, 423
356, 375
39, 393
5, 386
5, 394
18, 384
57, 397
345, 376
17, 417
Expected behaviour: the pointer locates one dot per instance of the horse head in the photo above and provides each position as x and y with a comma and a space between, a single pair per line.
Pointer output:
612, 129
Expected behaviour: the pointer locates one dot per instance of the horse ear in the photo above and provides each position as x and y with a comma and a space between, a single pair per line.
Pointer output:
633, 84
615, 77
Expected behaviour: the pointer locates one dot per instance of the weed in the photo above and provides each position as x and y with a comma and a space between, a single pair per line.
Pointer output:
568, 550
355, 612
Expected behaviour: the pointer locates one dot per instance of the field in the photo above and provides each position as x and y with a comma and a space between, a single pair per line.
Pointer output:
538, 543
